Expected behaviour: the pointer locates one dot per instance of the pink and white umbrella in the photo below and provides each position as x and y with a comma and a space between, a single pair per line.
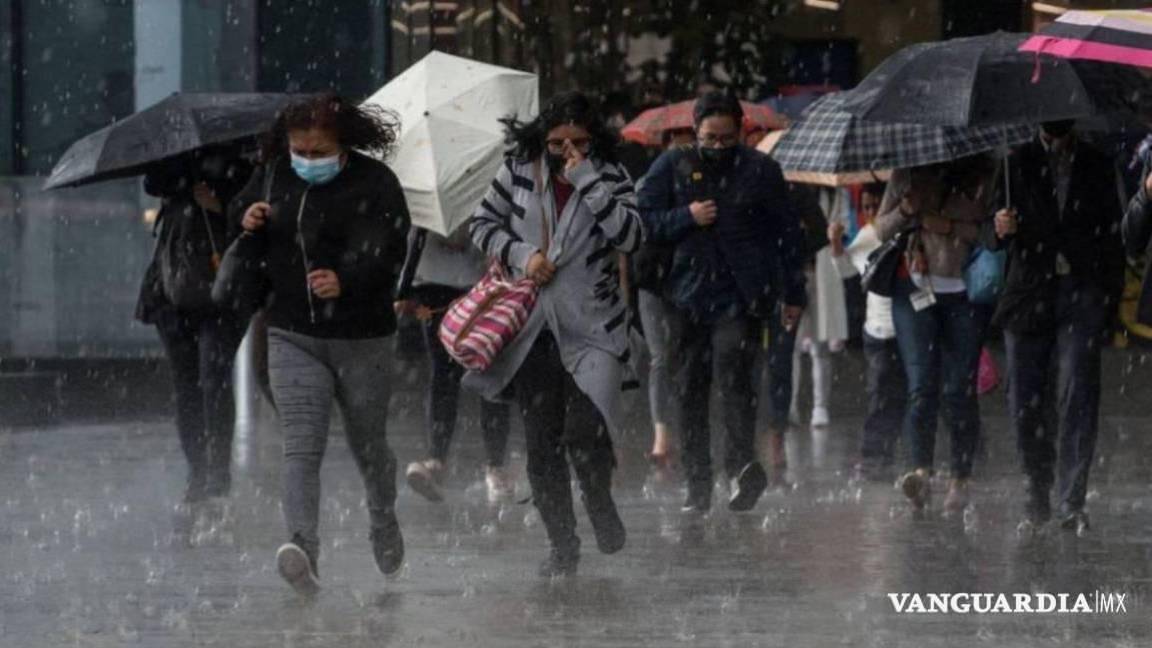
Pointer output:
1110, 36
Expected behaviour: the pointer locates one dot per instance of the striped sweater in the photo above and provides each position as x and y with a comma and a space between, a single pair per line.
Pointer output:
582, 305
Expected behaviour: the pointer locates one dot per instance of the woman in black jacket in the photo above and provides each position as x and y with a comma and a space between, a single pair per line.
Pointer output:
327, 225
200, 340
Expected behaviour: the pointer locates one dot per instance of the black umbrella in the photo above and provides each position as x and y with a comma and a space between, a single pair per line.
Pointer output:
178, 124
828, 142
984, 80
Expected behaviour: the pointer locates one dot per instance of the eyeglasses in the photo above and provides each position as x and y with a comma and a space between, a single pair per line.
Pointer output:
557, 145
712, 140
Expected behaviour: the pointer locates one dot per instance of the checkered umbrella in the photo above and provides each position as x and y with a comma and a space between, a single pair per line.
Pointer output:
827, 140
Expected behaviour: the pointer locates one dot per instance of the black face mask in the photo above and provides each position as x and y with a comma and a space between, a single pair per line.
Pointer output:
720, 159
556, 163
1057, 129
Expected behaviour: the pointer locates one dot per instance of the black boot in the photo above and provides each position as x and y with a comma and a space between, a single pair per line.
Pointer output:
606, 522
554, 501
699, 498
748, 486
562, 560
388, 547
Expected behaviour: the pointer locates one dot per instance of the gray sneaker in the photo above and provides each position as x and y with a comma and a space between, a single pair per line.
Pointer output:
424, 477
297, 568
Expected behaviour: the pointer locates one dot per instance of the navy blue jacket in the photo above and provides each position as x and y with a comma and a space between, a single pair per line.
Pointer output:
750, 258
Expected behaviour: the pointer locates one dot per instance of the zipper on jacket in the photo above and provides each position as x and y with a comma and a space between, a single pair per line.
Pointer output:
304, 252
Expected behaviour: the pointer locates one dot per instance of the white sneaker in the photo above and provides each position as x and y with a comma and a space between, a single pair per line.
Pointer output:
820, 416
296, 568
424, 478
500, 485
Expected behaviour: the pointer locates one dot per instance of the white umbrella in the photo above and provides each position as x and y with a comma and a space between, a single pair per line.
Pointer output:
451, 142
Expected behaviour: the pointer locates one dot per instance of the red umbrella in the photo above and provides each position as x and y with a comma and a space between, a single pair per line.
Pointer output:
649, 127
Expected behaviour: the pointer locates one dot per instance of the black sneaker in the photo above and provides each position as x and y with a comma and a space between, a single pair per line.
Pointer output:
298, 568
388, 548
1076, 521
606, 523
747, 487
699, 500
561, 561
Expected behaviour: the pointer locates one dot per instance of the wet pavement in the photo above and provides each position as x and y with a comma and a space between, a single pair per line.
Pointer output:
95, 550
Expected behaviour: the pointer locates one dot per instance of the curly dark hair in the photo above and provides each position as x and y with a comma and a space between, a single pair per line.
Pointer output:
526, 139
368, 128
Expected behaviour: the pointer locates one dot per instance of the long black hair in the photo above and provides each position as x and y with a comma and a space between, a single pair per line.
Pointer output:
368, 128
526, 139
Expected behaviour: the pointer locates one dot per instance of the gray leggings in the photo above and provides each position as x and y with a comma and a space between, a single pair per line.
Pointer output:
307, 374
662, 329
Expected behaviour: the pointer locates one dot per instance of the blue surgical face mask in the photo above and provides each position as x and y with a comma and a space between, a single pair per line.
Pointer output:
318, 171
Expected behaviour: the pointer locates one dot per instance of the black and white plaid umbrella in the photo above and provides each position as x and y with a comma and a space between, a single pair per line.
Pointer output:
830, 141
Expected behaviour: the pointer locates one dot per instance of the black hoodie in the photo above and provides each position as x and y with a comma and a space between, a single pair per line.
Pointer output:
355, 225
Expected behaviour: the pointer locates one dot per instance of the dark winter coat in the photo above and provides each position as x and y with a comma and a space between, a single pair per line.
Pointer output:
1087, 234
751, 257
355, 225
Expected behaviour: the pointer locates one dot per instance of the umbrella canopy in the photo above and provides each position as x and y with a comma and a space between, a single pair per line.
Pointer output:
768, 145
451, 141
649, 126
1110, 36
986, 80
176, 125
831, 146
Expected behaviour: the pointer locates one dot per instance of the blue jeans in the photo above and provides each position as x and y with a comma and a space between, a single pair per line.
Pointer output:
1054, 392
940, 349
781, 345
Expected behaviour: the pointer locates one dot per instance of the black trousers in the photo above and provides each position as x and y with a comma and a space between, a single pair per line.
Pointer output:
560, 424
725, 350
201, 348
441, 404
887, 399
1054, 392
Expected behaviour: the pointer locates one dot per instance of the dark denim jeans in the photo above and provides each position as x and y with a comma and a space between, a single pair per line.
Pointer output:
1054, 392
940, 349
724, 351
562, 423
887, 399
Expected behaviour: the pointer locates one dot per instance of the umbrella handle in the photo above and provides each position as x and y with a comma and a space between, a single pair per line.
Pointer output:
1007, 185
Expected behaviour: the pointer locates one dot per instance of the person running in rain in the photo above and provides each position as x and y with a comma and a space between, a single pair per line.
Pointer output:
938, 330
437, 271
661, 324
558, 211
886, 384
200, 339
737, 249
329, 225
1065, 276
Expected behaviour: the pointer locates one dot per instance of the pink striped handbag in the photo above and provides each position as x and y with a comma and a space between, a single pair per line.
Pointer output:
478, 325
